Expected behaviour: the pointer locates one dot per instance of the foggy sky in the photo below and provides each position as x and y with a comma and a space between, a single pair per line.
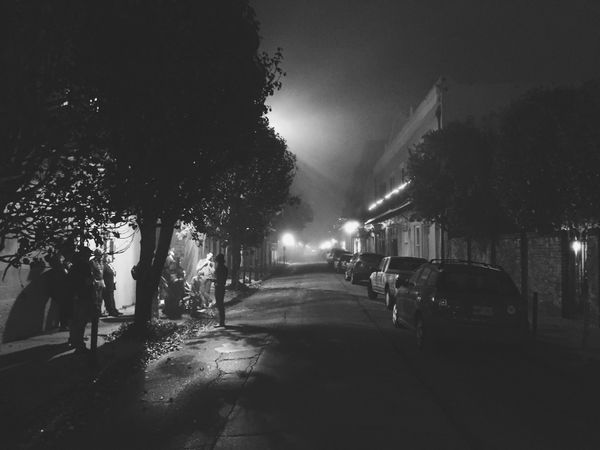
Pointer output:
354, 67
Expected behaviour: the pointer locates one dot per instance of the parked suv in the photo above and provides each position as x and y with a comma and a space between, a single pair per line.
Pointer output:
453, 299
383, 280
361, 266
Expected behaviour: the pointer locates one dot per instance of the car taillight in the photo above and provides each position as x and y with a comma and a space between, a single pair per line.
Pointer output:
511, 309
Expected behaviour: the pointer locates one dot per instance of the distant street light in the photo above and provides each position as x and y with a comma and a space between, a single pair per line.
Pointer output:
326, 245
351, 226
288, 240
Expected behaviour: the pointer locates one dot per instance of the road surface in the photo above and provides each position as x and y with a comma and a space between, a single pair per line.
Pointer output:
309, 362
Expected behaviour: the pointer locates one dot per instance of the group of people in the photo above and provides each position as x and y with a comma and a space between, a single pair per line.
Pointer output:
86, 281
172, 285
80, 285
209, 271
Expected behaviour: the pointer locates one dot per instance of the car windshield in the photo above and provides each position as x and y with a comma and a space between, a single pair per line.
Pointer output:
405, 264
476, 280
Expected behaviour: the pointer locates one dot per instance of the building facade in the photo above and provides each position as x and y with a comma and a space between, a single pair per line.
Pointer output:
390, 227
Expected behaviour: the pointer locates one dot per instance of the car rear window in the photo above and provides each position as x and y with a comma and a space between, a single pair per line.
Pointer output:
371, 259
405, 264
475, 280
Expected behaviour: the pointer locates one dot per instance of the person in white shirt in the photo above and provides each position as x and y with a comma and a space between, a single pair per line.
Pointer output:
205, 271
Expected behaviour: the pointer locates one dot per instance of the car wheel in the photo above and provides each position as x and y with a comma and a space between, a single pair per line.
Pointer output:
389, 302
395, 316
420, 333
372, 294
353, 278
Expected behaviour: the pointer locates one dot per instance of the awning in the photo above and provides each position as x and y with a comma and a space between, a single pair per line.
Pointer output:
389, 213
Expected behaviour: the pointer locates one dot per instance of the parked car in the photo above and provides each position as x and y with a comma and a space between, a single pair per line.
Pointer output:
341, 262
333, 254
361, 266
455, 300
383, 280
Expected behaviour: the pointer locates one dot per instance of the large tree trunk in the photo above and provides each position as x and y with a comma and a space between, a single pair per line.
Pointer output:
236, 259
149, 268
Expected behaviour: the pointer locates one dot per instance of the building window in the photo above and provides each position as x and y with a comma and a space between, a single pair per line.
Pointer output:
418, 241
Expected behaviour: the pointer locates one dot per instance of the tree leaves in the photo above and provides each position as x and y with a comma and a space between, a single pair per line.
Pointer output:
538, 172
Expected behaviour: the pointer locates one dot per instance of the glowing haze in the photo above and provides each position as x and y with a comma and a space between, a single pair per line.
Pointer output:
355, 67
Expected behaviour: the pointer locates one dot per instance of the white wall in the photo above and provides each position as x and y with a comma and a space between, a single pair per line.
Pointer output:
123, 262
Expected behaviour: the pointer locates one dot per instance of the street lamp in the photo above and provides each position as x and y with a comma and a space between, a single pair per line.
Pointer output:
288, 240
576, 246
350, 227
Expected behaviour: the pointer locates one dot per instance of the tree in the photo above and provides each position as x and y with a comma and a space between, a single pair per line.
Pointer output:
180, 86
546, 169
249, 194
450, 173
53, 168
293, 217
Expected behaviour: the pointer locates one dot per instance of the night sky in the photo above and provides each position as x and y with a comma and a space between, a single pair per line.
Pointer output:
355, 67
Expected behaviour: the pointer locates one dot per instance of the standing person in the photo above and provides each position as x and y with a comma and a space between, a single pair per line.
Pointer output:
108, 293
97, 266
59, 290
195, 297
175, 289
220, 280
81, 283
205, 273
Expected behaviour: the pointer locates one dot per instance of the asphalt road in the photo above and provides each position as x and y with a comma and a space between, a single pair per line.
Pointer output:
310, 362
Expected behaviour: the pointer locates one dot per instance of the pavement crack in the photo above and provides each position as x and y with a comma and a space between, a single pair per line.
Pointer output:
248, 373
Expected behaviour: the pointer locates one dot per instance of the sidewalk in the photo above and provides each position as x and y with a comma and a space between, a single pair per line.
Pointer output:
567, 335
106, 325
42, 378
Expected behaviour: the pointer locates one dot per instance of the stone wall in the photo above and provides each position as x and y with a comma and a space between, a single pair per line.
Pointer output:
545, 272
544, 264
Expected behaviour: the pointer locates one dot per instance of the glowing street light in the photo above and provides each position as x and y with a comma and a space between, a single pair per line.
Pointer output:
288, 240
351, 226
325, 245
